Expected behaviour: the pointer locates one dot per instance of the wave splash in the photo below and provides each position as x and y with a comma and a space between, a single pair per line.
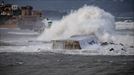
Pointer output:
84, 21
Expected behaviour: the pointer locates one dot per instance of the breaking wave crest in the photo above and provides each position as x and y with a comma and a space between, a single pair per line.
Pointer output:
84, 21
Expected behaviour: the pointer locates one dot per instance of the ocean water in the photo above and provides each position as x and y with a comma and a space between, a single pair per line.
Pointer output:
42, 63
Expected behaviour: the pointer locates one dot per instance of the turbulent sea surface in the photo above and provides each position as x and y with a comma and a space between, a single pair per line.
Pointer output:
47, 63
22, 54
42, 63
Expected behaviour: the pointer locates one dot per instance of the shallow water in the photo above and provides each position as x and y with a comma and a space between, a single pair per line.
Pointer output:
44, 63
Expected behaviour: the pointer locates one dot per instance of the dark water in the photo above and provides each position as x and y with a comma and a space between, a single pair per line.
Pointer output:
60, 64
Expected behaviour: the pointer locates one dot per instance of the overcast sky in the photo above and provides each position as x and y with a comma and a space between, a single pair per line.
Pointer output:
64, 5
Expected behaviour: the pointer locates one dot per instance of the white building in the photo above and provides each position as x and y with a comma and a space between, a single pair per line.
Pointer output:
14, 7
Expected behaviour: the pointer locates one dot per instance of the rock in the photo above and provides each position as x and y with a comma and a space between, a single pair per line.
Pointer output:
104, 43
123, 49
131, 46
121, 44
91, 42
112, 43
111, 49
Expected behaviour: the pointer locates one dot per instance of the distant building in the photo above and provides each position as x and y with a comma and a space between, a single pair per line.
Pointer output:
9, 9
15, 7
26, 10
23, 17
15, 10
36, 13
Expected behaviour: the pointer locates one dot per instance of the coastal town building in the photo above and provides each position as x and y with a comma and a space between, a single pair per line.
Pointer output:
26, 10
13, 16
